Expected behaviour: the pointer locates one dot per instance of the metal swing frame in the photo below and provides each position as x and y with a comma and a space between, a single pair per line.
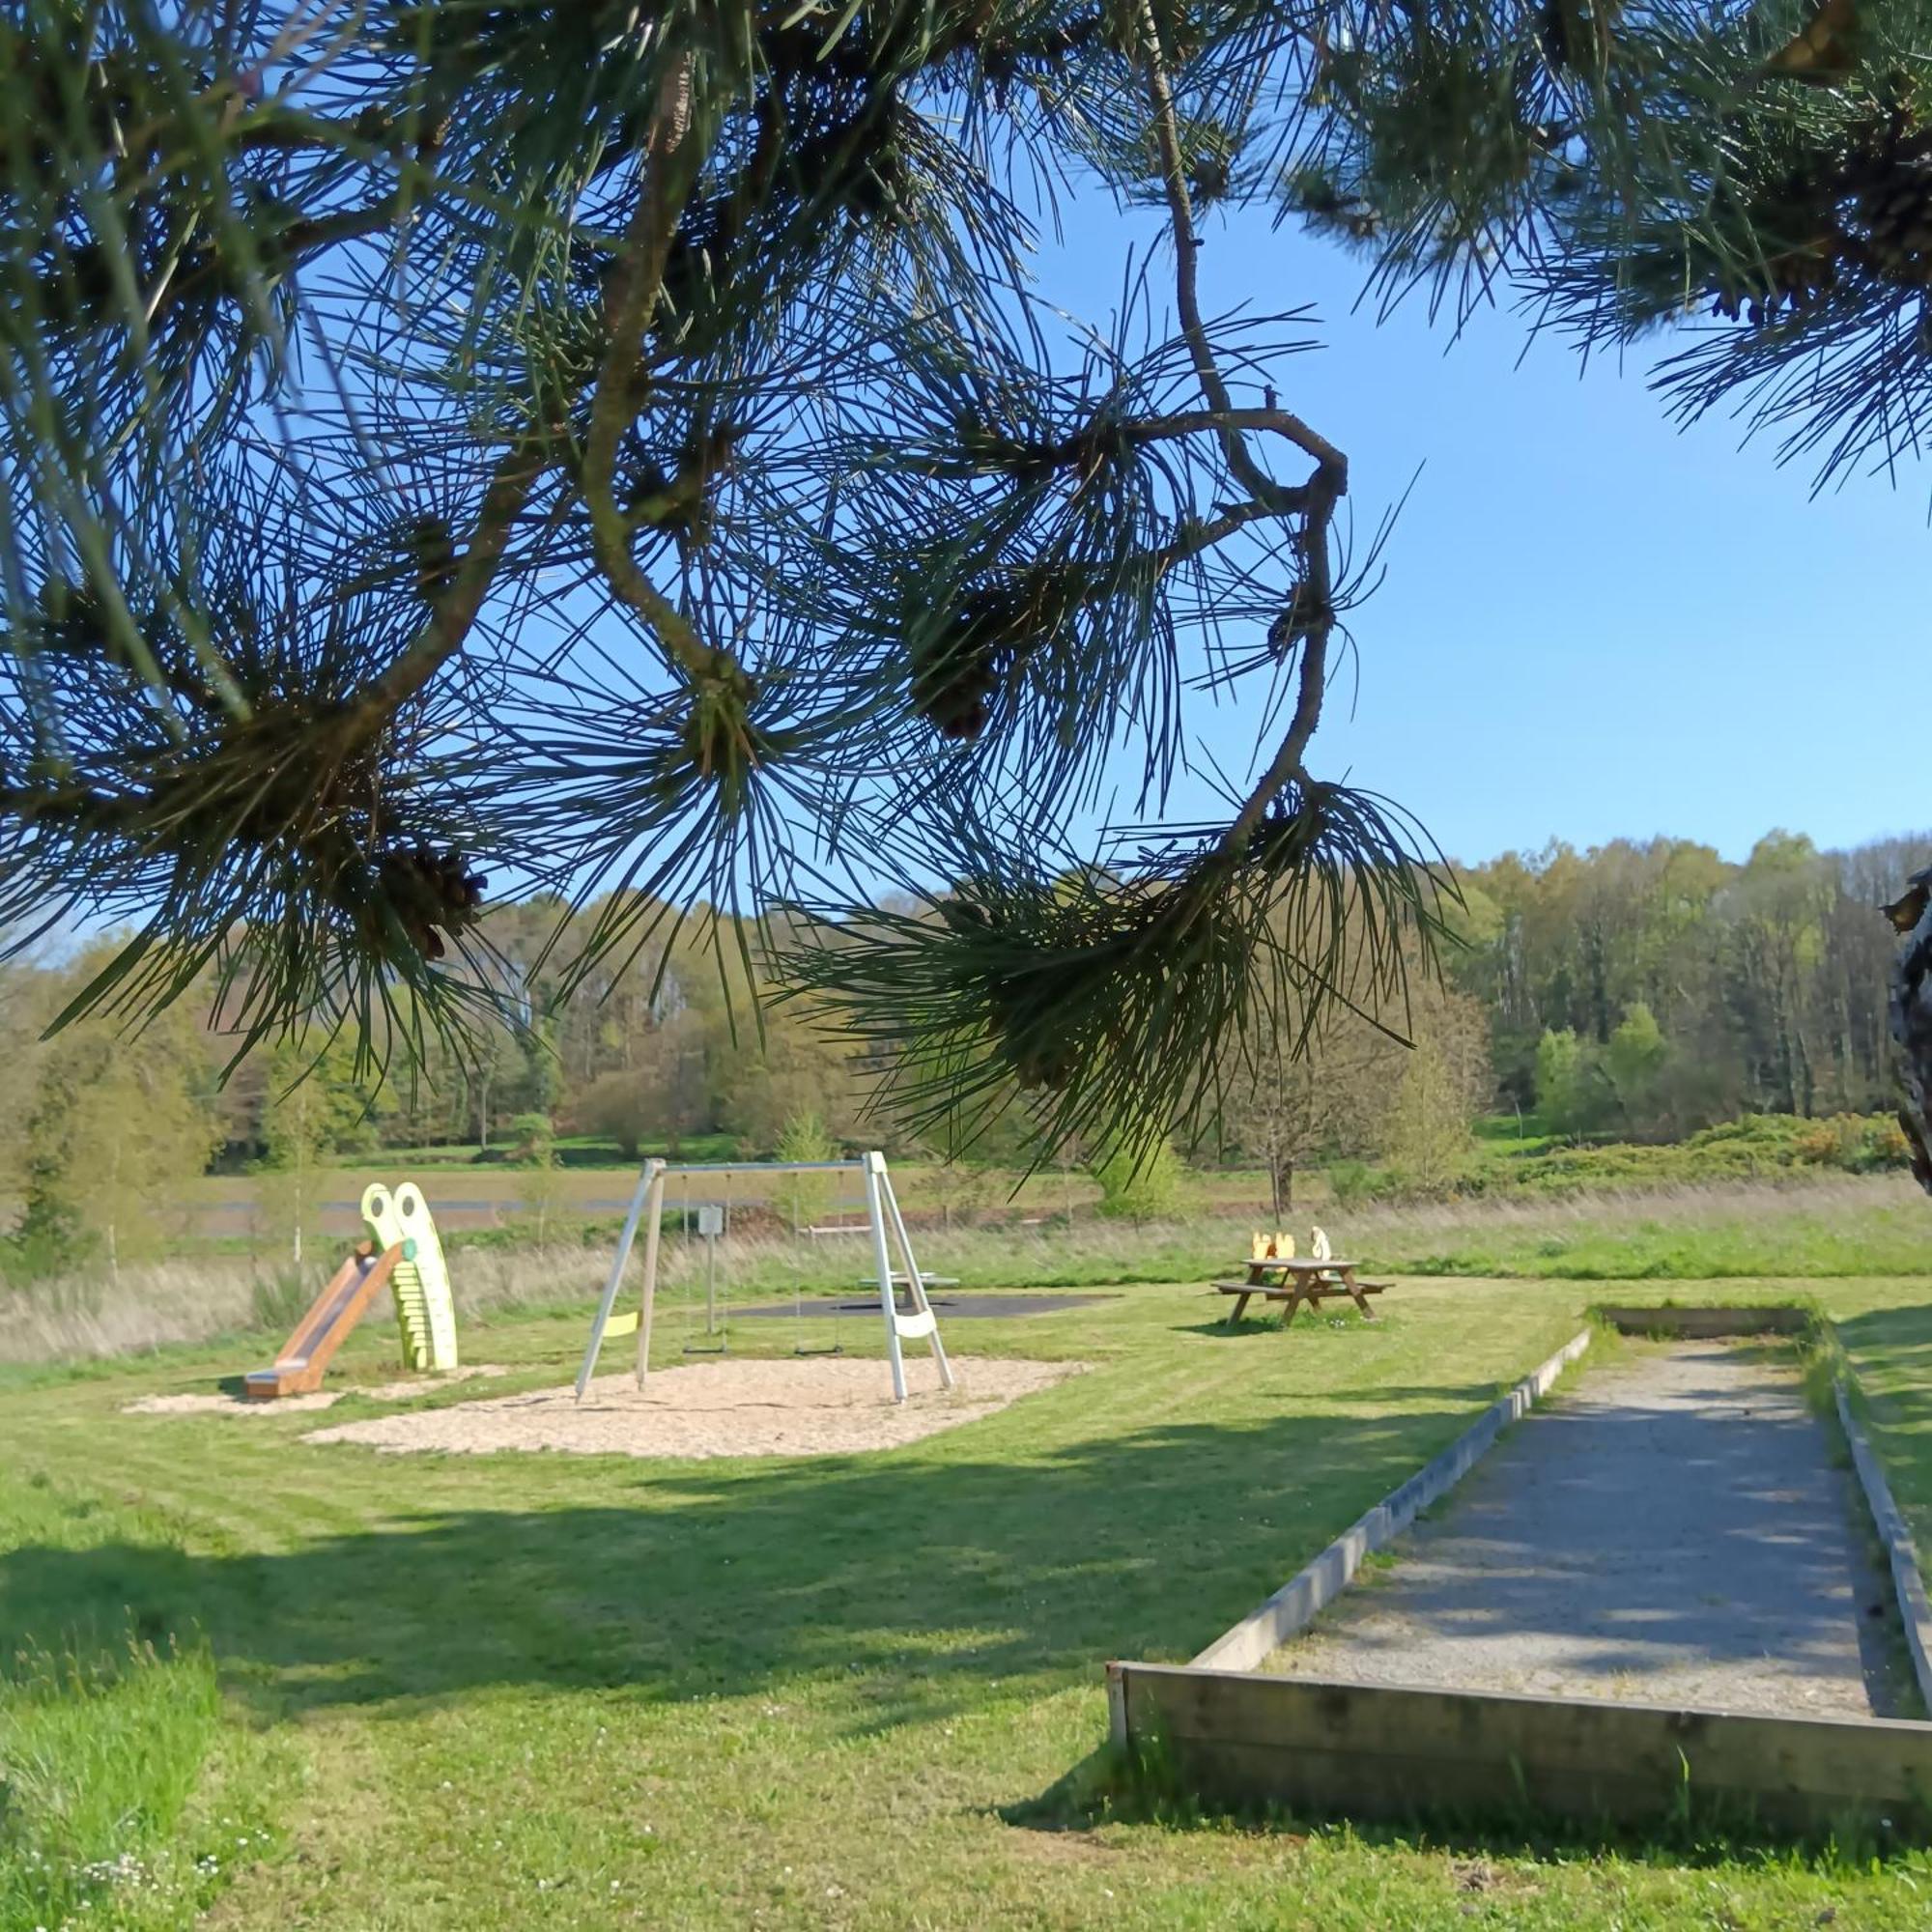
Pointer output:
888, 1228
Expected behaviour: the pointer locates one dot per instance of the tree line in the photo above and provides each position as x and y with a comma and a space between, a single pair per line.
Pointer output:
1632, 991
1649, 990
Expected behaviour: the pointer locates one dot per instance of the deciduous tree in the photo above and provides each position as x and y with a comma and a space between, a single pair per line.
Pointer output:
117, 1130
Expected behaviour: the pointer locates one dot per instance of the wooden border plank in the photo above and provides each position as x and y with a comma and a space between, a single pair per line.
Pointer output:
1707, 1322
1388, 1751
1305, 1595
1914, 1610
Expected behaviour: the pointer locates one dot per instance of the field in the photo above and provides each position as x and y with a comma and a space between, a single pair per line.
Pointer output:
592, 1182
279, 1682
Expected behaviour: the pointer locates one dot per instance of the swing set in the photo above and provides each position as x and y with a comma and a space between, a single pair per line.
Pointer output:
914, 1320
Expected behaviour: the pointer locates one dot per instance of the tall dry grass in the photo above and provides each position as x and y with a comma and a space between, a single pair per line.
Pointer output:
1828, 1227
157, 1304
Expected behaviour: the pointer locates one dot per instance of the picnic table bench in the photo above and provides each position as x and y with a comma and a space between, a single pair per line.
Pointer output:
1294, 1280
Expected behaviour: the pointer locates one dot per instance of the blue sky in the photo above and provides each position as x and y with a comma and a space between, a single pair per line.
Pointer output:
1594, 625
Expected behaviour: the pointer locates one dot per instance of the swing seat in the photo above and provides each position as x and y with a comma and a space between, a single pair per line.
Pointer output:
913, 1328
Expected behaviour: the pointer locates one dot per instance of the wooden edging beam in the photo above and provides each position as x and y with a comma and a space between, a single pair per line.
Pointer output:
1377, 1750
1915, 1612
1305, 1595
1707, 1322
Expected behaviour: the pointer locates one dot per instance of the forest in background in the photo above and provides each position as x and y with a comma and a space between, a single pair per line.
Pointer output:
1638, 994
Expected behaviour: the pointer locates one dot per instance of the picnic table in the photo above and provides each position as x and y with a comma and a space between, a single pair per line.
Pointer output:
902, 1284
1294, 1280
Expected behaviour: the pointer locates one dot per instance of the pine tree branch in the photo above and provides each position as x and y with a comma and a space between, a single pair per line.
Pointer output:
1187, 296
672, 161
634, 290
504, 500
1079, 447
1316, 501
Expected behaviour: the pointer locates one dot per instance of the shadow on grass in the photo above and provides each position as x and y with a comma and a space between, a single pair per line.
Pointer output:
1892, 1349
919, 1579
921, 1576
1220, 1329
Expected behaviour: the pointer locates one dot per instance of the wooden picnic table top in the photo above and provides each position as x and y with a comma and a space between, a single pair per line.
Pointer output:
1297, 1263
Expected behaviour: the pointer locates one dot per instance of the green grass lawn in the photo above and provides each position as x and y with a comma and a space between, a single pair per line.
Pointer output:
312, 1686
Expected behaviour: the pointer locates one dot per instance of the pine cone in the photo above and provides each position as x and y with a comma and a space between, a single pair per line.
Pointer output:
1887, 185
956, 673
1798, 212
1307, 610
431, 548
425, 888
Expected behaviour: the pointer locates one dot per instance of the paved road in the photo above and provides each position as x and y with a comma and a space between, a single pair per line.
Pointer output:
1669, 1530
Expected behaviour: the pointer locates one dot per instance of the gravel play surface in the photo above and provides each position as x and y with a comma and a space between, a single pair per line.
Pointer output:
224, 1402
822, 1405
1669, 1530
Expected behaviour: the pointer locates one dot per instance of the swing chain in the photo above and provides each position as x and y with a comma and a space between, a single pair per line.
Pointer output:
717, 1335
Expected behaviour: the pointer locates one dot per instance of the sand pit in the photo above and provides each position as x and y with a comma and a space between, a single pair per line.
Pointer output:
415, 1385
827, 1406
223, 1404
227, 1404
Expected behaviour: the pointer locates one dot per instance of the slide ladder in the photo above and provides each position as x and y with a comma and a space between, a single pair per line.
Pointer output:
425, 1308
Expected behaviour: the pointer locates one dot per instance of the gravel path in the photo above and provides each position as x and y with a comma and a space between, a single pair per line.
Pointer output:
1669, 1530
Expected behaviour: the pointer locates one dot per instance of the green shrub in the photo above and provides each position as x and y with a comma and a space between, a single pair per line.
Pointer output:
1352, 1182
805, 1199
1139, 1180
1754, 1146
278, 1302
